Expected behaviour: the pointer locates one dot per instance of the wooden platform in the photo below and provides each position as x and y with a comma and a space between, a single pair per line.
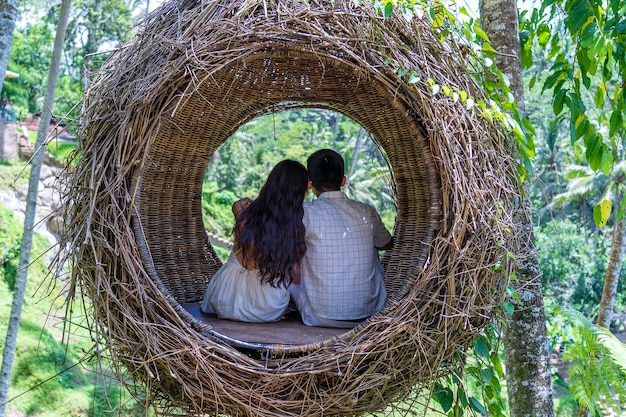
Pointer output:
290, 331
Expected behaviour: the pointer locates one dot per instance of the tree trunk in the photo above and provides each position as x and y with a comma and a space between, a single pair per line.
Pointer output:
31, 205
529, 381
8, 16
611, 278
526, 355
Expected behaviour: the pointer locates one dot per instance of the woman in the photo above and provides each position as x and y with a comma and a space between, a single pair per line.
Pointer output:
269, 245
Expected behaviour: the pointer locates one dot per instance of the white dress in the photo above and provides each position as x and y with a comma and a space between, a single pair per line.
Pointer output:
236, 293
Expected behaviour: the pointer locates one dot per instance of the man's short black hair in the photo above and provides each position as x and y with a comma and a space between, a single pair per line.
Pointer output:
326, 170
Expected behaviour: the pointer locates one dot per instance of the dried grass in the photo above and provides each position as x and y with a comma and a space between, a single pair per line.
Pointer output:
135, 243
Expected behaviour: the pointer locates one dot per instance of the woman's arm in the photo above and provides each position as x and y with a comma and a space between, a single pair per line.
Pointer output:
240, 205
296, 276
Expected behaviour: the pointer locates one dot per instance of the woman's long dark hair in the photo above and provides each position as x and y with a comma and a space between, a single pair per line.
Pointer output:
270, 232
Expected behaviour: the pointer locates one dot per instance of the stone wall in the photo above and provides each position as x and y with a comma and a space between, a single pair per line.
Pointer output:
14, 199
9, 141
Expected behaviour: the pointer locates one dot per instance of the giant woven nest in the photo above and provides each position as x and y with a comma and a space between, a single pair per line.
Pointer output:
136, 244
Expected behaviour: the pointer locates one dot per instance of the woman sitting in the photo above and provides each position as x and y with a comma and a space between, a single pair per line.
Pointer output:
252, 285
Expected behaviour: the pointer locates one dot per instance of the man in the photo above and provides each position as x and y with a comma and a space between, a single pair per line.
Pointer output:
341, 274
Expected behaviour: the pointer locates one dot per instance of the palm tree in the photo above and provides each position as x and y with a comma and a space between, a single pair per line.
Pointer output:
614, 194
584, 186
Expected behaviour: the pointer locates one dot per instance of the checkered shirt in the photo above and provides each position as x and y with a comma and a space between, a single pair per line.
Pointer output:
341, 272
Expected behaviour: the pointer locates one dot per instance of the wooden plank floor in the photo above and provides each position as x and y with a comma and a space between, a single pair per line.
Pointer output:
289, 331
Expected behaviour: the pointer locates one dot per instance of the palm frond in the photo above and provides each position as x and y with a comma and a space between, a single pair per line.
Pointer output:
596, 364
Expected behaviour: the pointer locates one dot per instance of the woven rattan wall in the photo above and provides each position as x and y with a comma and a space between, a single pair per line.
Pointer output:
156, 113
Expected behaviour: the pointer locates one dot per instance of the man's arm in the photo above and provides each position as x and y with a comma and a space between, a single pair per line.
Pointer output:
386, 246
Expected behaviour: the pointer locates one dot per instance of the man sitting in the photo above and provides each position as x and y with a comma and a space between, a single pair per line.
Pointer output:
341, 274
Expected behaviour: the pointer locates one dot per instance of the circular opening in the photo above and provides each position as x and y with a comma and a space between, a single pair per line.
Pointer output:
239, 168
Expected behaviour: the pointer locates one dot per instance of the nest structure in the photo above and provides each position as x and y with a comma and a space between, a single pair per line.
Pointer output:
136, 245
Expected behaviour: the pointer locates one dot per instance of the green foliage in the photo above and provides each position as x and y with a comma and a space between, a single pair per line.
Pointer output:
564, 404
61, 150
460, 27
31, 52
68, 95
216, 210
596, 362
571, 273
13, 174
114, 399
10, 241
586, 83
240, 166
602, 212
476, 388
50, 378
51, 382
487, 371
94, 25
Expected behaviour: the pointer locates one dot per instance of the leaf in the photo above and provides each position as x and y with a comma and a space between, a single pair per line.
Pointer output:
481, 33
495, 409
527, 58
553, 78
488, 48
616, 348
607, 162
579, 13
485, 375
598, 97
620, 209
558, 101
480, 347
602, 212
597, 362
509, 307
616, 122
388, 9
543, 35
438, 18
582, 127
477, 406
444, 396
598, 154
462, 397
497, 365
